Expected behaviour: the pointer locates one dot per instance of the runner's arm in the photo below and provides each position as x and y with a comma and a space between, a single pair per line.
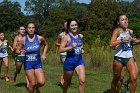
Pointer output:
20, 46
46, 47
64, 42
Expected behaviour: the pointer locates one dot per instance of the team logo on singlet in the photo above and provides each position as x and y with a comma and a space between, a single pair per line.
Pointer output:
32, 47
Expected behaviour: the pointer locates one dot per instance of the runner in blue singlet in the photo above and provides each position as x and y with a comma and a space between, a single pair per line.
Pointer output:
72, 44
32, 64
32, 58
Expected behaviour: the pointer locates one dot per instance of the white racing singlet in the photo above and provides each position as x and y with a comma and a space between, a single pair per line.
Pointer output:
124, 49
3, 49
62, 36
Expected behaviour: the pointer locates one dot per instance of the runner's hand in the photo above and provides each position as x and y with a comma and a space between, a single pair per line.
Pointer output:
22, 51
43, 57
74, 44
127, 38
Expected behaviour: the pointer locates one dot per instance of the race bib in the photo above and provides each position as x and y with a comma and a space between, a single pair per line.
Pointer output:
77, 50
126, 46
3, 50
31, 57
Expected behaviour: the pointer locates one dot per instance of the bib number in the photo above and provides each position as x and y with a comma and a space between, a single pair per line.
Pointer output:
126, 46
3, 50
31, 57
77, 50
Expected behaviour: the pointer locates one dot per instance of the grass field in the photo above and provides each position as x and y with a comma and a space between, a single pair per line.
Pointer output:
98, 79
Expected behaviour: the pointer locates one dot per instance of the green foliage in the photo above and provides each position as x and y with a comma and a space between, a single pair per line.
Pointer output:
93, 37
135, 26
101, 14
95, 19
101, 56
125, 5
136, 6
54, 22
10, 15
134, 21
76, 10
39, 9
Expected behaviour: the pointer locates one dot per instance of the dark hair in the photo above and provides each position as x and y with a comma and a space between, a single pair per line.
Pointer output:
43, 32
116, 20
30, 23
21, 26
68, 24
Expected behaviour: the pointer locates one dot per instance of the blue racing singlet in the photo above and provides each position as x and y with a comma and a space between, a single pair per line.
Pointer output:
74, 56
76, 52
32, 56
32, 50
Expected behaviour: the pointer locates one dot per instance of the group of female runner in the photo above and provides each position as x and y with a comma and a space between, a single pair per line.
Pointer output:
27, 49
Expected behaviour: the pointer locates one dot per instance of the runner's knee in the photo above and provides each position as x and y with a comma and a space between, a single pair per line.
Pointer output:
117, 75
134, 78
82, 82
32, 85
66, 83
42, 83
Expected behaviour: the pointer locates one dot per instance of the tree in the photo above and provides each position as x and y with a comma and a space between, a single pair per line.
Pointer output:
134, 20
10, 15
76, 10
125, 5
101, 13
136, 6
39, 8
51, 13
54, 23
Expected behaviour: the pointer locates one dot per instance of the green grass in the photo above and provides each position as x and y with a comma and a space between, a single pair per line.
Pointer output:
98, 79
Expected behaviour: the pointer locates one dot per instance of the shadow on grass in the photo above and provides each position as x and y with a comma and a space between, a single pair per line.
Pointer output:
22, 84
107, 91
